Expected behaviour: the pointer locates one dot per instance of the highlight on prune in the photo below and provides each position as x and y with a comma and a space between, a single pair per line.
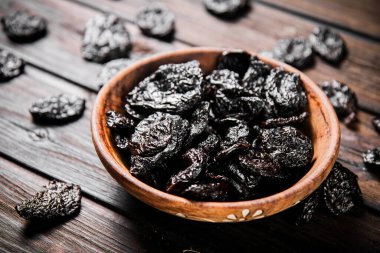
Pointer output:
371, 159
328, 44
294, 51
57, 200
105, 38
156, 20
57, 109
342, 98
23, 27
225, 8
10, 65
198, 135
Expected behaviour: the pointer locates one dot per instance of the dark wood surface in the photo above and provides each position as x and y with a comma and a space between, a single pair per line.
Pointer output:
110, 219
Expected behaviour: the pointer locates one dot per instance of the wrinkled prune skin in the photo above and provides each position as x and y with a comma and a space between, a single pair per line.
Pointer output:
254, 78
23, 27
210, 144
172, 88
121, 141
225, 80
305, 210
236, 61
57, 109
105, 38
199, 121
343, 100
328, 44
10, 65
225, 8
57, 200
376, 123
132, 113
156, 20
295, 51
219, 191
110, 70
277, 122
371, 159
283, 94
287, 146
118, 121
230, 150
236, 134
341, 190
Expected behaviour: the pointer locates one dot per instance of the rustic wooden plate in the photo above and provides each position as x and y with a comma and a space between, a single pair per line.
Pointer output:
323, 127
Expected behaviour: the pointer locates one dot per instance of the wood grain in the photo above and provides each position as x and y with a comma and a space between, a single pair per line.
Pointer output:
258, 30
358, 16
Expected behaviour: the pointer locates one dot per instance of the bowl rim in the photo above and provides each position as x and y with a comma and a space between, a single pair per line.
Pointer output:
122, 175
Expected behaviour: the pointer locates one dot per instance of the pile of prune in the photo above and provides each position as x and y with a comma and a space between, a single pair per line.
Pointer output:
10, 65
232, 134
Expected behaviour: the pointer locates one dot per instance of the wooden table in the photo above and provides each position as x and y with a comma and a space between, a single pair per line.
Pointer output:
110, 219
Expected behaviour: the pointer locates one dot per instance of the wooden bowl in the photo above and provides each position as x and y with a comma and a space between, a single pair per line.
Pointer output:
324, 132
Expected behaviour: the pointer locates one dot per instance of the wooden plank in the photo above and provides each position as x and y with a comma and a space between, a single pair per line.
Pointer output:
259, 30
59, 51
358, 16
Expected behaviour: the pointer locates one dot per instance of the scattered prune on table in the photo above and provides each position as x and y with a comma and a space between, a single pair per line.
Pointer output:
172, 88
118, 121
283, 94
156, 20
57, 200
341, 191
277, 122
328, 44
225, 80
371, 159
225, 8
342, 98
23, 27
376, 123
305, 210
10, 65
294, 51
219, 191
236, 60
110, 69
254, 78
105, 38
287, 146
57, 109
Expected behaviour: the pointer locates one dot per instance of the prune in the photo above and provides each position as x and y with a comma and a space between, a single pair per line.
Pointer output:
287, 146
237, 61
132, 113
228, 151
118, 121
236, 172
57, 200
371, 159
342, 98
110, 69
236, 134
23, 27
148, 169
328, 44
277, 122
155, 20
197, 160
305, 210
199, 121
210, 144
376, 123
295, 51
341, 191
172, 88
121, 141
225, 80
219, 191
57, 109
254, 78
10, 65
225, 8
283, 94
105, 38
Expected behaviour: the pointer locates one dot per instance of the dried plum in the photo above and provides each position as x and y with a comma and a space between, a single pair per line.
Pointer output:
172, 88
228, 151
110, 69
305, 210
225, 8
236, 60
105, 38
156, 20
277, 122
236, 134
121, 141
118, 121
254, 78
225, 80
341, 190
287, 146
23, 27
210, 144
283, 94
371, 159
219, 191
376, 123
199, 121
10, 65
57, 109
328, 44
57, 200
342, 98
295, 51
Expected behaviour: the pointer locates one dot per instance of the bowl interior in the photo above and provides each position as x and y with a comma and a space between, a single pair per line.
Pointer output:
323, 129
